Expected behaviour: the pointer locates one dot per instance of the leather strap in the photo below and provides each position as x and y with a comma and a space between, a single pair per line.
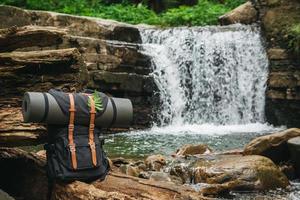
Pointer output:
91, 130
71, 131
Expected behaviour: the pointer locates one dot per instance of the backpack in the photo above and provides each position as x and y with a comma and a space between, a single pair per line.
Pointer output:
74, 152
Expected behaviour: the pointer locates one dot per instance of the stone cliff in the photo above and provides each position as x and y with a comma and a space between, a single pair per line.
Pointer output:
42, 50
283, 92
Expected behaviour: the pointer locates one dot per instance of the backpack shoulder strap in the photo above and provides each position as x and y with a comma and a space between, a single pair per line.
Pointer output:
91, 130
71, 131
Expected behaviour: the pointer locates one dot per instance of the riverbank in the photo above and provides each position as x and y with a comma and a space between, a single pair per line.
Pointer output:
193, 171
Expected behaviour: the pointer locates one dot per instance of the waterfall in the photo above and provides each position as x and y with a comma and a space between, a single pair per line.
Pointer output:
208, 75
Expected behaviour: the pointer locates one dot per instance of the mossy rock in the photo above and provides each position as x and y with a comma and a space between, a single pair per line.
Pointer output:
280, 16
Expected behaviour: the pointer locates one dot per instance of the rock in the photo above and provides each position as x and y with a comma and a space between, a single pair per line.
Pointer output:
41, 71
119, 81
13, 132
145, 174
284, 80
181, 171
5, 196
190, 149
155, 162
32, 46
28, 36
227, 173
23, 176
277, 54
273, 146
244, 14
119, 161
288, 170
294, 149
74, 25
282, 103
130, 170
159, 176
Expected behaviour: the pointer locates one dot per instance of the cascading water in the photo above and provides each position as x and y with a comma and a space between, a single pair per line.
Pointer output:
214, 75
211, 82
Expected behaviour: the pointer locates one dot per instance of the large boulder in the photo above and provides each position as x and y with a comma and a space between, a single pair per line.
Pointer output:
244, 14
273, 146
241, 173
218, 173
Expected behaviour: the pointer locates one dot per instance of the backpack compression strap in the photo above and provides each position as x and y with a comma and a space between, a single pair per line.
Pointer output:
91, 130
71, 131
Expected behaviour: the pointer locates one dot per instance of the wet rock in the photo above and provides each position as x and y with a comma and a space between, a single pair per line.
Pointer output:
145, 174
130, 170
273, 146
181, 171
190, 149
244, 14
288, 170
155, 162
227, 173
119, 161
294, 149
159, 176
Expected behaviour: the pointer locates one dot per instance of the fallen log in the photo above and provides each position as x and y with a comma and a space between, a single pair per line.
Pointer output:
30, 182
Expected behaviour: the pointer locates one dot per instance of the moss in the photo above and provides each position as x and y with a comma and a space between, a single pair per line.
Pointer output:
281, 23
294, 38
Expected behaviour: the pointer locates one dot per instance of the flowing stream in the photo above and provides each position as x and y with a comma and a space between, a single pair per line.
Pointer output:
211, 82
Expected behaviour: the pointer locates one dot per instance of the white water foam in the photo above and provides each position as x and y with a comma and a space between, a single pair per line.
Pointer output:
211, 80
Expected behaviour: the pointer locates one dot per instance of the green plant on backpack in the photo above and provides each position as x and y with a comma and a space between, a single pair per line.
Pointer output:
97, 100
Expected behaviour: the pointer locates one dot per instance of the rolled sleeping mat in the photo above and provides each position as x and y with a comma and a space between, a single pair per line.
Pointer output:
43, 108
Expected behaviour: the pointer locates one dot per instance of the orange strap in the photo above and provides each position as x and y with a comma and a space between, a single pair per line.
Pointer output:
71, 131
91, 130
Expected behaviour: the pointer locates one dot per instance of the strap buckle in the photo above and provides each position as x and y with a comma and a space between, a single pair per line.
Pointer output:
92, 127
72, 147
71, 126
92, 145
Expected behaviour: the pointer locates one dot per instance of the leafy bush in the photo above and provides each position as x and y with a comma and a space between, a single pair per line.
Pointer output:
205, 12
295, 38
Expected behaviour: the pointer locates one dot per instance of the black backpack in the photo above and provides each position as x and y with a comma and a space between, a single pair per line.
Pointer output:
74, 152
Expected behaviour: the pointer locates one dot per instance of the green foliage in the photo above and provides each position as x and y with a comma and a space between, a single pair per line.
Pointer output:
294, 43
97, 100
205, 12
